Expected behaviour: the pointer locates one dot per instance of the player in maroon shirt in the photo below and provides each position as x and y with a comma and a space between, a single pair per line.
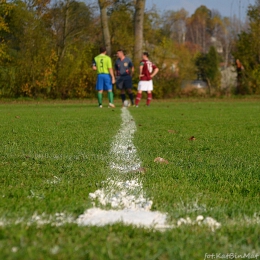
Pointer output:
147, 71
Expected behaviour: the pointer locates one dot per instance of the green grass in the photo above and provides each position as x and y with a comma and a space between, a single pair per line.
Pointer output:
54, 154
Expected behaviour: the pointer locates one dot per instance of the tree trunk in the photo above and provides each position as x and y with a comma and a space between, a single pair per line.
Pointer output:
104, 23
209, 85
138, 30
65, 30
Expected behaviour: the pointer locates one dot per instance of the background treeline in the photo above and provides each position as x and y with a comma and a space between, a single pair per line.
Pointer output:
47, 47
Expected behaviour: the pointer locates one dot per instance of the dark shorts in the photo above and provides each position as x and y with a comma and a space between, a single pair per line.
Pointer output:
124, 82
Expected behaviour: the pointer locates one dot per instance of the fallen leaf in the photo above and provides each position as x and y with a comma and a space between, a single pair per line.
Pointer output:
172, 131
160, 160
17, 116
140, 170
192, 138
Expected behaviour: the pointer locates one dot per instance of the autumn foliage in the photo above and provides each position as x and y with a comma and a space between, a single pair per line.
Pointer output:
47, 48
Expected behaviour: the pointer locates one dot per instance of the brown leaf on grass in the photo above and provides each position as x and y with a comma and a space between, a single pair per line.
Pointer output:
172, 131
192, 138
160, 160
140, 170
17, 116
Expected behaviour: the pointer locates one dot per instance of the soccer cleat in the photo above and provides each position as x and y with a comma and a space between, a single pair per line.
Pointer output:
136, 105
111, 105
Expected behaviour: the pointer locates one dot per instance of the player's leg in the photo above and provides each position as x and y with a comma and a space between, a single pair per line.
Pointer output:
120, 86
129, 85
99, 88
131, 96
108, 87
100, 97
123, 96
149, 98
111, 98
138, 97
149, 92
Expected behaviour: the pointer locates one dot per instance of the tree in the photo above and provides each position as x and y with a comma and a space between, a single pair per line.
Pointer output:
152, 29
103, 5
5, 10
122, 34
71, 25
138, 30
50, 49
174, 25
208, 68
199, 28
247, 51
31, 50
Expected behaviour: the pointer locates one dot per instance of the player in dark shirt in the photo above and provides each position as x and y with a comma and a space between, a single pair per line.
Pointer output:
124, 70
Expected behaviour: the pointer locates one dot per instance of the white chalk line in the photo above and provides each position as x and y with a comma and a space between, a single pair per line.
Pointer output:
126, 198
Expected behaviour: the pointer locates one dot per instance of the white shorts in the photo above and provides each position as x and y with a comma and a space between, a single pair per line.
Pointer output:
145, 85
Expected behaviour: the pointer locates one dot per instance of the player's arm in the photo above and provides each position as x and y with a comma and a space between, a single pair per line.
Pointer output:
110, 69
132, 70
131, 66
155, 71
116, 70
141, 71
111, 72
94, 65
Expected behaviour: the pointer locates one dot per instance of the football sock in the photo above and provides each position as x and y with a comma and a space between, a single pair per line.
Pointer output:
138, 98
110, 97
131, 96
100, 95
123, 97
149, 98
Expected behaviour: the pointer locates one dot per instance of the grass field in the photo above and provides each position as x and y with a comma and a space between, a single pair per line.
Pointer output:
54, 154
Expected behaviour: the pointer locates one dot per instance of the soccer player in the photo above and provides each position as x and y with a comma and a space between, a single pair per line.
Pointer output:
147, 71
124, 70
105, 78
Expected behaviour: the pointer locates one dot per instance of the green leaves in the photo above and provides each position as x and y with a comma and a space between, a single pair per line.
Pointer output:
248, 52
208, 68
